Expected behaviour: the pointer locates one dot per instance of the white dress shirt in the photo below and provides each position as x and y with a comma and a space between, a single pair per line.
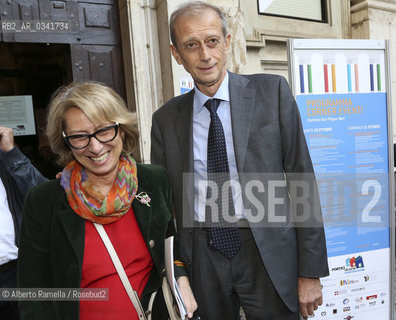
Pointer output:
8, 249
201, 122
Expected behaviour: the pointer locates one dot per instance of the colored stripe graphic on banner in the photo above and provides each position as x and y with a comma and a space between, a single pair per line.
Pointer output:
356, 77
302, 78
339, 79
333, 75
309, 78
349, 78
326, 78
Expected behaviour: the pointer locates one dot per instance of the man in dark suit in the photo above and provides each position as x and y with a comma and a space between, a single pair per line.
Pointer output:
269, 262
17, 175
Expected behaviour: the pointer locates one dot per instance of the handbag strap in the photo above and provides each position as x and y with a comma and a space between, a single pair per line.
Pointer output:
133, 295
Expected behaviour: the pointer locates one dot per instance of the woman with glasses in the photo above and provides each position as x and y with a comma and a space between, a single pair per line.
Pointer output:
92, 133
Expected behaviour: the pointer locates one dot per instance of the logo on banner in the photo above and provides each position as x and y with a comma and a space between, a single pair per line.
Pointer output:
347, 282
360, 306
354, 264
369, 278
338, 268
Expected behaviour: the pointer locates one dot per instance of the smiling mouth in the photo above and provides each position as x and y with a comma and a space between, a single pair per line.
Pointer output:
206, 68
101, 158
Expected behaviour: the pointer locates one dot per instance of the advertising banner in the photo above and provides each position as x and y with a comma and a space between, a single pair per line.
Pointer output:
341, 88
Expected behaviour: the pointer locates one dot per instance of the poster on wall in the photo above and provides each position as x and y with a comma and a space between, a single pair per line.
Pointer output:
186, 84
341, 88
16, 112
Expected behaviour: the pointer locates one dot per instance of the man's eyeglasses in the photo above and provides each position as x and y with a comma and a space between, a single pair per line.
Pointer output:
81, 141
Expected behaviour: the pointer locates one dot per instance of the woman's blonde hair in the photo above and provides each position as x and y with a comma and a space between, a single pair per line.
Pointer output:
99, 103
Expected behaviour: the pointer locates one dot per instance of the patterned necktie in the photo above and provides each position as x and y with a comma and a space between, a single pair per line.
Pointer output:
224, 237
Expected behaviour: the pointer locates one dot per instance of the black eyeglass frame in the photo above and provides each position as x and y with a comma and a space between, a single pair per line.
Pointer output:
89, 136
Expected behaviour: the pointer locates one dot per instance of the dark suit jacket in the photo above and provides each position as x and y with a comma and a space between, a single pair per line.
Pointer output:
268, 142
52, 241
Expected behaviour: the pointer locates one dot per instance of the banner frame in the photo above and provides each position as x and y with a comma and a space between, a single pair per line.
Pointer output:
360, 44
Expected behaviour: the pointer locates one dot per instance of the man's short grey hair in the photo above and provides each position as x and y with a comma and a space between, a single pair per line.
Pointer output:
194, 8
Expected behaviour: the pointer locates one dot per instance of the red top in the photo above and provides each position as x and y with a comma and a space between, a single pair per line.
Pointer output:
98, 270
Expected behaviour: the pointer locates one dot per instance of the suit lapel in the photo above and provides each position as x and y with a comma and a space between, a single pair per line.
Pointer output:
183, 125
73, 225
184, 131
143, 214
242, 104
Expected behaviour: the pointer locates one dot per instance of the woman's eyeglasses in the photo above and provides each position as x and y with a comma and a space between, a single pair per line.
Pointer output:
81, 141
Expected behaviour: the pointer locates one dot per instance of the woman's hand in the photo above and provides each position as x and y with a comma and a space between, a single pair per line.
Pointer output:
187, 295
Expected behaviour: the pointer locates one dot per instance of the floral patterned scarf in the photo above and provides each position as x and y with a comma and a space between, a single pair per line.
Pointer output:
90, 204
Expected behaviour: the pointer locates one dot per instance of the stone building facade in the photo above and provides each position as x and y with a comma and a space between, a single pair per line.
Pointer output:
258, 44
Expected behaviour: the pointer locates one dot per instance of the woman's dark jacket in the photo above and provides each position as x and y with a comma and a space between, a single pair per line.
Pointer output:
52, 242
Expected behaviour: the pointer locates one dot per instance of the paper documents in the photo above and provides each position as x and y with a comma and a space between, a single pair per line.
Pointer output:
170, 275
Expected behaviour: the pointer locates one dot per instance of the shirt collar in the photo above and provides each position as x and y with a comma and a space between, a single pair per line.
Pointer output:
222, 94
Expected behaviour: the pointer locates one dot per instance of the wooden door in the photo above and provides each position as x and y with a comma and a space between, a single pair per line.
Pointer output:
90, 27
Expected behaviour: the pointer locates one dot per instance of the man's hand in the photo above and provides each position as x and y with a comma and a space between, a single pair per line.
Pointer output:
309, 295
6, 139
187, 295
